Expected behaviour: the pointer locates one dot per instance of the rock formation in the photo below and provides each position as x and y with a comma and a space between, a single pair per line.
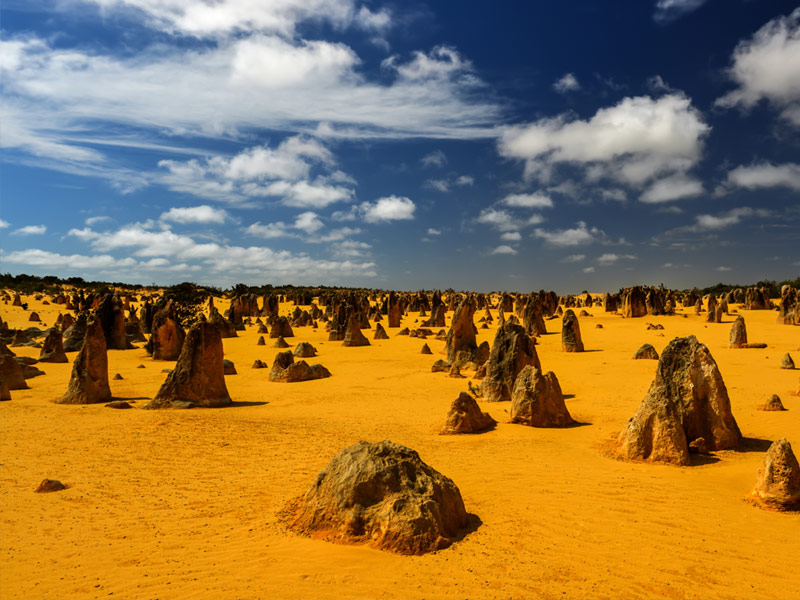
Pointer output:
461, 343
88, 383
634, 302
382, 494
465, 416
687, 400
53, 349
646, 352
380, 333
305, 350
425, 349
353, 335
280, 343
112, 318
166, 339
198, 378
11, 373
512, 350
787, 362
738, 337
73, 335
778, 481
772, 404
537, 400
571, 333
281, 328
285, 370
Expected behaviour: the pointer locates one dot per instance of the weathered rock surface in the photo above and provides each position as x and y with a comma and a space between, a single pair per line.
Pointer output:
382, 494
465, 416
198, 379
286, 370
353, 336
53, 348
647, 351
537, 400
88, 383
571, 333
772, 404
50, 485
512, 350
687, 400
778, 481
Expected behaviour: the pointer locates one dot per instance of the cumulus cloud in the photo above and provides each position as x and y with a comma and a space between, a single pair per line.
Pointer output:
589, 270
504, 250
30, 230
610, 258
465, 180
527, 201
767, 67
511, 236
499, 219
4, 224
724, 269
575, 236
440, 185
671, 188
195, 214
432, 231
44, 258
764, 175
573, 258
308, 222
633, 142
390, 208
567, 83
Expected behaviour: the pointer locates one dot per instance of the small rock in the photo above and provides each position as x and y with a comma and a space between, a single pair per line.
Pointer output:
118, 404
117, 376
773, 404
787, 362
50, 485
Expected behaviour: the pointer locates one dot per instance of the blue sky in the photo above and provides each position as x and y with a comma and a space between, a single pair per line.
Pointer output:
559, 145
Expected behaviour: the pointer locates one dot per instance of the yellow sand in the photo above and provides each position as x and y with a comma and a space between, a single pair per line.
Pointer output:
183, 504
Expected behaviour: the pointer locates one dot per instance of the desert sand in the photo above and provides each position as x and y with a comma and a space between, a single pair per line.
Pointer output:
178, 504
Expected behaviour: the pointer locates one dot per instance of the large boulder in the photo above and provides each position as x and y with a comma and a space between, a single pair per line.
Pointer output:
465, 416
53, 349
537, 400
687, 400
571, 333
382, 494
778, 481
286, 370
634, 302
512, 350
305, 350
198, 377
112, 317
281, 328
738, 337
88, 383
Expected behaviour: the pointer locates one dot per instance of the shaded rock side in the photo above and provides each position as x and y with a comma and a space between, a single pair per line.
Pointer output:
88, 383
382, 494
11, 373
511, 351
571, 333
198, 378
286, 370
537, 400
53, 348
353, 336
647, 351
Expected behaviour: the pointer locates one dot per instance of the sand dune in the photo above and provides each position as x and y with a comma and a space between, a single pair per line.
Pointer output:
186, 504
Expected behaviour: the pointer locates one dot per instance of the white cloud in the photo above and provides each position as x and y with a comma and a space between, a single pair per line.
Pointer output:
527, 201
465, 180
350, 249
302, 194
269, 231
589, 270
44, 258
308, 222
567, 83
390, 208
432, 231
573, 258
726, 219
499, 219
511, 236
766, 175
632, 142
767, 67
610, 258
30, 230
671, 188
437, 158
724, 269
668, 10
95, 220
4, 224
440, 185
195, 214
569, 237
504, 250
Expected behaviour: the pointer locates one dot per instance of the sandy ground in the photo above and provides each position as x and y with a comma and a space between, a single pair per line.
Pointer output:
184, 504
